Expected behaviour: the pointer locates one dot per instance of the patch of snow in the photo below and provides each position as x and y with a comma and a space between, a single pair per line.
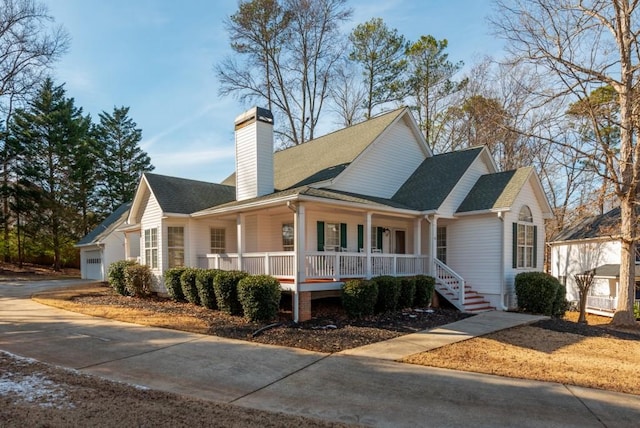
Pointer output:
36, 389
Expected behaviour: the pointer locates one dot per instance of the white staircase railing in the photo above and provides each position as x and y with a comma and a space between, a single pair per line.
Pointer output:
448, 278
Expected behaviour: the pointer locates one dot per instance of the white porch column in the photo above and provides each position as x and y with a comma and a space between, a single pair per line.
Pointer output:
417, 233
299, 257
367, 243
433, 232
127, 249
240, 237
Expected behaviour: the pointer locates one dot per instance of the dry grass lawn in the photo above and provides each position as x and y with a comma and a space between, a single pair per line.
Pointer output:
531, 352
63, 299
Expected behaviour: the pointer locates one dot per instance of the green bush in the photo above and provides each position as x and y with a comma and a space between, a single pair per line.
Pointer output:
116, 275
259, 296
560, 303
189, 287
407, 292
537, 293
359, 297
425, 286
138, 280
226, 289
388, 293
204, 284
172, 283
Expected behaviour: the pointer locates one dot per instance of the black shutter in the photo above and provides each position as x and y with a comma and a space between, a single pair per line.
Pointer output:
379, 232
321, 236
535, 246
343, 235
515, 245
360, 237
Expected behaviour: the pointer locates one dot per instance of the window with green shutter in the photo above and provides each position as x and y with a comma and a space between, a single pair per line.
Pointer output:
525, 240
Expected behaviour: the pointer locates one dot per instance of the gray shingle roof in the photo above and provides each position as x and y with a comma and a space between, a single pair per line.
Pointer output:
434, 179
325, 157
494, 191
183, 196
591, 227
107, 226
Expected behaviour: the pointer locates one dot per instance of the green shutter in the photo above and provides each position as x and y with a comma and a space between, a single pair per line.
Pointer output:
360, 237
515, 245
343, 235
321, 236
379, 232
535, 246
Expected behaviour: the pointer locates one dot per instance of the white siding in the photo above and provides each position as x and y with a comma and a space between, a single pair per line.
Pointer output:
473, 250
152, 218
526, 197
254, 160
570, 259
464, 186
384, 166
113, 250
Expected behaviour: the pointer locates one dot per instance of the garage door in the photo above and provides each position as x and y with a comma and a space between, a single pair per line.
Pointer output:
93, 265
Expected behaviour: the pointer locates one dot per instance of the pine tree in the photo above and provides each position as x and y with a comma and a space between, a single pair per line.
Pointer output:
47, 131
122, 161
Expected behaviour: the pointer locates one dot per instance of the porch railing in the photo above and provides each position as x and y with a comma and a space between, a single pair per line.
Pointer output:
319, 265
604, 303
448, 278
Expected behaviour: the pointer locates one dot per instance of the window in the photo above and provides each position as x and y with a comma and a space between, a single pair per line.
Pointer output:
287, 237
332, 236
525, 239
217, 241
175, 246
441, 244
151, 247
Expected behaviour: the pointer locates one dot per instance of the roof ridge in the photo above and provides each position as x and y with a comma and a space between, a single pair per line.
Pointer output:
185, 179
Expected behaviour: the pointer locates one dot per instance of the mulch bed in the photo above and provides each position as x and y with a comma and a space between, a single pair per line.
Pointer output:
330, 330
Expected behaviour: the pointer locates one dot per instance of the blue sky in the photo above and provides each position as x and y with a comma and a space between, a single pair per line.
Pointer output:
157, 57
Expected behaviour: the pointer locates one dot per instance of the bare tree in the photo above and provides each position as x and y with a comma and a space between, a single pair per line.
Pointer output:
584, 281
29, 44
587, 44
347, 95
288, 51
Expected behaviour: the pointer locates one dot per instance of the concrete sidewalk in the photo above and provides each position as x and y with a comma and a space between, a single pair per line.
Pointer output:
344, 388
468, 328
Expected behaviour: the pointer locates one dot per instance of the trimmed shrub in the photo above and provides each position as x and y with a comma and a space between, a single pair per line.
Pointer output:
407, 292
259, 296
189, 287
225, 286
425, 286
172, 283
537, 292
388, 293
116, 275
560, 303
204, 284
359, 297
138, 280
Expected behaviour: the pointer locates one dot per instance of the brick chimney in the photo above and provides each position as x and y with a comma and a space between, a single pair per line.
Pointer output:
254, 153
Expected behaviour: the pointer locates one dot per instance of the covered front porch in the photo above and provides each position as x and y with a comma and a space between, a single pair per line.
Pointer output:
603, 295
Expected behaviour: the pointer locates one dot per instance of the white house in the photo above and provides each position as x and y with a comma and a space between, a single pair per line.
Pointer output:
103, 245
587, 246
367, 200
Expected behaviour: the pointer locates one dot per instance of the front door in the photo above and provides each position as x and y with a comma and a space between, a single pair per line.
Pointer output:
400, 242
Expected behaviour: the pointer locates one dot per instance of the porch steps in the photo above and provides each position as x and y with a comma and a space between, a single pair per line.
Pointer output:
473, 301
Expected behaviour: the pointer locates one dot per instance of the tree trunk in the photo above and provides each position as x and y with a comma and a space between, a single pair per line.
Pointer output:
626, 289
582, 318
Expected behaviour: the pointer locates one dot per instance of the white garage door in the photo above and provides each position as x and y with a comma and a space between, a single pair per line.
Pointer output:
93, 265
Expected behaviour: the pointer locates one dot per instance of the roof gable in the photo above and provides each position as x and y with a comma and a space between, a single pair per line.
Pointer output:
495, 191
108, 225
430, 184
324, 158
183, 196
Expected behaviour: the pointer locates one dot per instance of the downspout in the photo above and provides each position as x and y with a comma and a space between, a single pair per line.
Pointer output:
502, 270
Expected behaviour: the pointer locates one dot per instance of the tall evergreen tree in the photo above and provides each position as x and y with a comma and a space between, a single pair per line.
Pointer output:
47, 132
381, 54
121, 158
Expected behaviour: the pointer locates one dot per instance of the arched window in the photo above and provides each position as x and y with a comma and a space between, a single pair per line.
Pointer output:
524, 240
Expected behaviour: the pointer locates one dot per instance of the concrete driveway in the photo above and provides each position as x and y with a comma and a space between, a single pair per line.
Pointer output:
343, 388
